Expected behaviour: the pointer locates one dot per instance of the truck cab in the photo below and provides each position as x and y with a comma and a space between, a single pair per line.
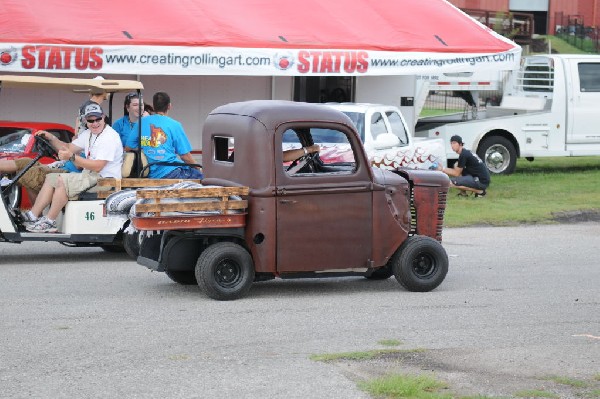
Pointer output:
315, 216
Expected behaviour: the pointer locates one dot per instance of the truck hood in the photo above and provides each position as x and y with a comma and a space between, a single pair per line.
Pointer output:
420, 154
386, 178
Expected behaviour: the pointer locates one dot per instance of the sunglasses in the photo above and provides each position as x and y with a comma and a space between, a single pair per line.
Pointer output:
93, 120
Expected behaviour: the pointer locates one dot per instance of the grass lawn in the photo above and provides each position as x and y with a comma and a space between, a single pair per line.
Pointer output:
562, 47
535, 193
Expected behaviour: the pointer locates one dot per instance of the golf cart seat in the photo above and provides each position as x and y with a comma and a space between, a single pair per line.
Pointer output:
128, 169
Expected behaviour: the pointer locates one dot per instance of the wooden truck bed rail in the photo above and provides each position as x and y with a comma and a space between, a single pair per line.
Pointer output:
119, 184
209, 207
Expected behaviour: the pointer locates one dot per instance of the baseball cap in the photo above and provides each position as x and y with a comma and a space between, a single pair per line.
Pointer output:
456, 138
93, 110
97, 90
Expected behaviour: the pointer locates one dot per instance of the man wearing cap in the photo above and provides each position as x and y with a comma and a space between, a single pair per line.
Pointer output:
469, 172
103, 151
97, 96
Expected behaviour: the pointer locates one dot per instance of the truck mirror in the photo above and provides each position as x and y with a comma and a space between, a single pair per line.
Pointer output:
386, 140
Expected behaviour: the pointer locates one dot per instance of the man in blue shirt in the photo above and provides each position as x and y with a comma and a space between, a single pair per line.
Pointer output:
164, 140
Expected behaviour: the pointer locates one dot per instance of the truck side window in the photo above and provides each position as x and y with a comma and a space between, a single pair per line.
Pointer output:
377, 125
223, 148
397, 126
335, 152
589, 77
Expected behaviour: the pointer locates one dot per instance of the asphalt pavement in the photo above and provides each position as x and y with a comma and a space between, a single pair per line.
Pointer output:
519, 304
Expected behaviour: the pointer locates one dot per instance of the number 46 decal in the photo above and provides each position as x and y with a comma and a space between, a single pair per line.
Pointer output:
90, 216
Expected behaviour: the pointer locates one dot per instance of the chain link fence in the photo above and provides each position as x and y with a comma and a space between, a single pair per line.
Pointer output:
572, 29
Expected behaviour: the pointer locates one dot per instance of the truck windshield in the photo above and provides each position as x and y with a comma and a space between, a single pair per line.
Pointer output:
358, 119
13, 139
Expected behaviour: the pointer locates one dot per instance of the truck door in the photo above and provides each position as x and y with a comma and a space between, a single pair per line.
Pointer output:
324, 211
583, 121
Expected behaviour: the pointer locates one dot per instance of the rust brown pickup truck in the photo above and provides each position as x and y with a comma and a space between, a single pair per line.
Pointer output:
263, 213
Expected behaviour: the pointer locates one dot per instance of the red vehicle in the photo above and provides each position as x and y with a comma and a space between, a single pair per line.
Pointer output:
16, 141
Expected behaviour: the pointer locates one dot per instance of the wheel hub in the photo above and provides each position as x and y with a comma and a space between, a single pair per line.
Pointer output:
227, 273
424, 265
496, 158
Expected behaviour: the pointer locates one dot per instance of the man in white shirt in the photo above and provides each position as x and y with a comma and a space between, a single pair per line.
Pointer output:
103, 151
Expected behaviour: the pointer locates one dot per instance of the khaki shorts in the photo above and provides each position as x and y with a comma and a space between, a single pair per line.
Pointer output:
75, 183
34, 178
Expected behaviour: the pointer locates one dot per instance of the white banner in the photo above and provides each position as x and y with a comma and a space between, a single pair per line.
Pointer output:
164, 60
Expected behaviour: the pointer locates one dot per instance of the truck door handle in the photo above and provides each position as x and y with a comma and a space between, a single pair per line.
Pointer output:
283, 201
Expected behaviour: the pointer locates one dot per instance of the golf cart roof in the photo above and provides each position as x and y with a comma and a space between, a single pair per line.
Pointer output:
75, 84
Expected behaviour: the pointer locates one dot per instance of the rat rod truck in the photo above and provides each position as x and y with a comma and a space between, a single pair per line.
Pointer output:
268, 215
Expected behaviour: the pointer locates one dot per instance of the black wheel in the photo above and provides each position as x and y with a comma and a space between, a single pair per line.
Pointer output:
420, 264
381, 273
187, 277
131, 243
112, 248
225, 271
498, 154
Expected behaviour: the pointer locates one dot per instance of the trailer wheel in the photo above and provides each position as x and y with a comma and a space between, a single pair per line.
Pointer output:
225, 271
499, 155
186, 277
420, 264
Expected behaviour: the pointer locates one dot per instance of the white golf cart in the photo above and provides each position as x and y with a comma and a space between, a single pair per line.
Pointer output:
82, 222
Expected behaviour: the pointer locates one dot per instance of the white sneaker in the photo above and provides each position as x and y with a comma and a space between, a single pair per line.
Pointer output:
43, 225
5, 181
28, 218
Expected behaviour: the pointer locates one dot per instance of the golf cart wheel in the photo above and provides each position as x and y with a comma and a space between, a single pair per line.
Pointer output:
225, 271
131, 243
112, 248
420, 264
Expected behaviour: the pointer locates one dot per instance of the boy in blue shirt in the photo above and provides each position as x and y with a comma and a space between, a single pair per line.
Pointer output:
164, 140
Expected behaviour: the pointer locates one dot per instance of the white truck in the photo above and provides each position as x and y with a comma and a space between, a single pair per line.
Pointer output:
549, 108
385, 136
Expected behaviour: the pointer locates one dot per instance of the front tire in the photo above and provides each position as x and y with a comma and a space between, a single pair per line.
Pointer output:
225, 271
498, 154
420, 264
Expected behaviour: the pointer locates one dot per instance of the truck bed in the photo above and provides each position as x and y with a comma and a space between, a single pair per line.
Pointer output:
164, 208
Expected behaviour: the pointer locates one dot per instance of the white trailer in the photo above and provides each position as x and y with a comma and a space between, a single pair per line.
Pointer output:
549, 108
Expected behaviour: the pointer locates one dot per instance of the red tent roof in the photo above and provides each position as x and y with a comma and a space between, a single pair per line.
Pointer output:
423, 26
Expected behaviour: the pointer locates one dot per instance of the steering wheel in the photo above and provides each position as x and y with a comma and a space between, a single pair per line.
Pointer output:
306, 160
45, 147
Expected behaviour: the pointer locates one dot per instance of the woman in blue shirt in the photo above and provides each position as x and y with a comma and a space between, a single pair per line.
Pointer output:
131, 109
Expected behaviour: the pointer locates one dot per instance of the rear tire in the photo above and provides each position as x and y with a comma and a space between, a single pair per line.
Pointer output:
225, 271
420, 264
498, 154
187, 277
